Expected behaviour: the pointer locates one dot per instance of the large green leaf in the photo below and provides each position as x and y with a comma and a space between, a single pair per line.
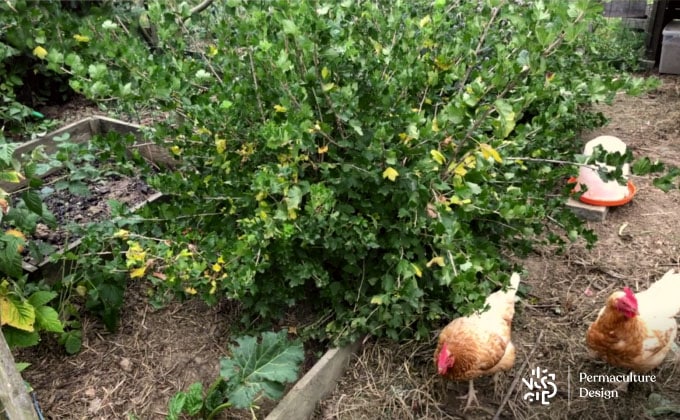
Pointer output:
41, 298
33, 201
7, 153
10, 258
48, 319
263, 367
19, 338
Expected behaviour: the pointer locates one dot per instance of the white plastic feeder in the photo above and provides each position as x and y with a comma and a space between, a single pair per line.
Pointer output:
600, 192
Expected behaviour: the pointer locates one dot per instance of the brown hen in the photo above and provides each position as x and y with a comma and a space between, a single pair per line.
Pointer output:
479, 344
636, 331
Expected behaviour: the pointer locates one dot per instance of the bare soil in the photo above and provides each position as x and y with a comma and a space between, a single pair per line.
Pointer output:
69, 208
637, 244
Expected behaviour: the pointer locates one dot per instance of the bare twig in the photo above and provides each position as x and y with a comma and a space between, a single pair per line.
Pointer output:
200, 7
480, 43
257, 88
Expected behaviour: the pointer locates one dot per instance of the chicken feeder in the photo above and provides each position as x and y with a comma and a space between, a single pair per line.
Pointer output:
600, 192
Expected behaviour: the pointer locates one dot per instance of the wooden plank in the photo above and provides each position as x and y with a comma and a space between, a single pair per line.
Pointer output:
107, 125
79, 132
154, 153
14, 398
625, 8
655, 28
635, 23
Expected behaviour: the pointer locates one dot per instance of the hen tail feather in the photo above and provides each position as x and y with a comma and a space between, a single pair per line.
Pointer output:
663, 295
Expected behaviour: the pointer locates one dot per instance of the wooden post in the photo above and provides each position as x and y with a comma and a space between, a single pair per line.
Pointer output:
15, 403
655, 26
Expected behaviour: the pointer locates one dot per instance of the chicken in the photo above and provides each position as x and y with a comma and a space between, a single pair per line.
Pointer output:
479, 344
637, 331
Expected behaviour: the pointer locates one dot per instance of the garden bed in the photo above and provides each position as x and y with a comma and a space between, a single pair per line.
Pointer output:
68, 207
562, 293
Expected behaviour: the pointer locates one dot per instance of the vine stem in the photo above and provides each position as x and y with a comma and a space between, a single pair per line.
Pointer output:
217, 409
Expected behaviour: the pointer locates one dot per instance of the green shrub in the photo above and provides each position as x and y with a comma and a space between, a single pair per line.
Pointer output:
374, 160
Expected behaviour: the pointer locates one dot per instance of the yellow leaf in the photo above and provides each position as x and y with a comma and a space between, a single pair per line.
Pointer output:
40, 52
190, 290
435, 125
176, 150
185, 253
217, 267
138, 272
460, 169
81, 38
437, 156
424, 21
488, 151
203, 130
11, 176
122, 234
390, 173
280, 108
442, 65
17, 234
549, 76
436, 260
456, 200
134, 254
325, 73
417, 270
470, 161
322, 149
220, 260
405, 137
220, 145
377, 47
212, 50
327, 86
17, 314
378, 299
81, 290
213, 287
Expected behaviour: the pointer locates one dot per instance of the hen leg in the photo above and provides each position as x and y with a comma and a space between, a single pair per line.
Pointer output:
622, 386
496, 383
471, 397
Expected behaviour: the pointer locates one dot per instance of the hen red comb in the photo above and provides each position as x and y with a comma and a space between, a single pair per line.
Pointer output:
629, 294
